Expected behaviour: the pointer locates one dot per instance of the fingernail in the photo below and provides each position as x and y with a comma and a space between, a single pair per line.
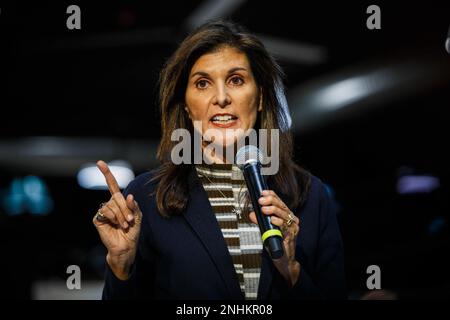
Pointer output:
125, 225
261, 200
129, 217
264, 192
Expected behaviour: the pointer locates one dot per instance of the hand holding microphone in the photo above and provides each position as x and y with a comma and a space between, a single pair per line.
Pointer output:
271, 214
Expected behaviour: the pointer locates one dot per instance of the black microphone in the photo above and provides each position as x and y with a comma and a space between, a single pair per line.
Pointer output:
447, 42
248, 159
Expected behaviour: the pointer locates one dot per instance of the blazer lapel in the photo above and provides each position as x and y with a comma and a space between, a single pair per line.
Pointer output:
265, 279
201, 218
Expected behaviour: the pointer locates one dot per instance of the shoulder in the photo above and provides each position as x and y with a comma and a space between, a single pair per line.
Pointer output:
142, 184
143, 188
318, 190
312, 190
318, 216
318, 199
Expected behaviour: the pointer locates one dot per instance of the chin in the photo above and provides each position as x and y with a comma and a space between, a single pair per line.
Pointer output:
224, 135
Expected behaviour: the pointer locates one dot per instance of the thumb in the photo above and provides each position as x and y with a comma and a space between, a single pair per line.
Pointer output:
252, 217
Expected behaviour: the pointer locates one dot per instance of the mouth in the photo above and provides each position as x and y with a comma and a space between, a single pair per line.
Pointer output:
223, 120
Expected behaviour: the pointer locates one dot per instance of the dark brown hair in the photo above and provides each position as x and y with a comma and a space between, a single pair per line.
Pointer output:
291, 182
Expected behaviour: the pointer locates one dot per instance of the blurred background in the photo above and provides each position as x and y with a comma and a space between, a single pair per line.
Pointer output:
370, 114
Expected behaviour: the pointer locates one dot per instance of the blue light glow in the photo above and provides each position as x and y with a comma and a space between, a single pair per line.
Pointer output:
28, 194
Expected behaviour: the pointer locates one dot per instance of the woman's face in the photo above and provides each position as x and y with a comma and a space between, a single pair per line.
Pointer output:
222, 94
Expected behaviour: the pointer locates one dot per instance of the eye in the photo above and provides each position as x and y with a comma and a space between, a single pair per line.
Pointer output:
237, 81
201, 84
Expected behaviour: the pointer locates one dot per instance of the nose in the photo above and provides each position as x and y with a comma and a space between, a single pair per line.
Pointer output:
221, 97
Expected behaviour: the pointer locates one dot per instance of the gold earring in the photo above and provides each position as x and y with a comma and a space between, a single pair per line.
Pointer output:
260, 102
187, 111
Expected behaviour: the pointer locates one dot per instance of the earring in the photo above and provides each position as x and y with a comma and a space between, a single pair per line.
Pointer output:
187, 111
260, 102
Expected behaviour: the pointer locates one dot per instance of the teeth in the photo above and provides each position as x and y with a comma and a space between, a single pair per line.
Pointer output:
222, 118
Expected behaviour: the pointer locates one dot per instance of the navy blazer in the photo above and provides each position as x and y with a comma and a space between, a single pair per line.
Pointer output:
186, 257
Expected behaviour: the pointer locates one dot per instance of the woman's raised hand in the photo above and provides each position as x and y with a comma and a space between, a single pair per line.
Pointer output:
118, 223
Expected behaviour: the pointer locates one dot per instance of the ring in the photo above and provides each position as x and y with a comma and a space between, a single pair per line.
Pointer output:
290, 220
100, 217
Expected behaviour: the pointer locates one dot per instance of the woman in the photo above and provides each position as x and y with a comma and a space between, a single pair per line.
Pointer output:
188, 231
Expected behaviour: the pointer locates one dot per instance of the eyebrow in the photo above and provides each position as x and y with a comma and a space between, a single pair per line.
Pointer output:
205, 74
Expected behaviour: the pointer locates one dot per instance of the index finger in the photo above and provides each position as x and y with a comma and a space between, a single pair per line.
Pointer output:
110, 180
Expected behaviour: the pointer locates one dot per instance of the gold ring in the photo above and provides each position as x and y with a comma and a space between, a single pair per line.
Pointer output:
100, 217
290, 220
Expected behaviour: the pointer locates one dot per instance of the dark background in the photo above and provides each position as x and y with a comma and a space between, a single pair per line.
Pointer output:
74, 96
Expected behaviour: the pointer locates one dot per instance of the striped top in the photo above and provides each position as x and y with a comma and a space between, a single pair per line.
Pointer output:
242, 237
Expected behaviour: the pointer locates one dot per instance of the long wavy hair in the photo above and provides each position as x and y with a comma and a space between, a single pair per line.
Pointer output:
291, 182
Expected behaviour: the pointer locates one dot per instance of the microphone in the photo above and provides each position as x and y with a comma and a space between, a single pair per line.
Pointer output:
248, 159
447, 42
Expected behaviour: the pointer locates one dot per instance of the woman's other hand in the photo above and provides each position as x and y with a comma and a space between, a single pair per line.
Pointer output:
281, 216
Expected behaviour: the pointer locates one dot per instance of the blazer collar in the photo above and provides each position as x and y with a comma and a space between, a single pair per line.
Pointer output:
199, 214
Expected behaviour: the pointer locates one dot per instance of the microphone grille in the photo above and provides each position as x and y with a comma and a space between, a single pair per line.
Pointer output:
247, 153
